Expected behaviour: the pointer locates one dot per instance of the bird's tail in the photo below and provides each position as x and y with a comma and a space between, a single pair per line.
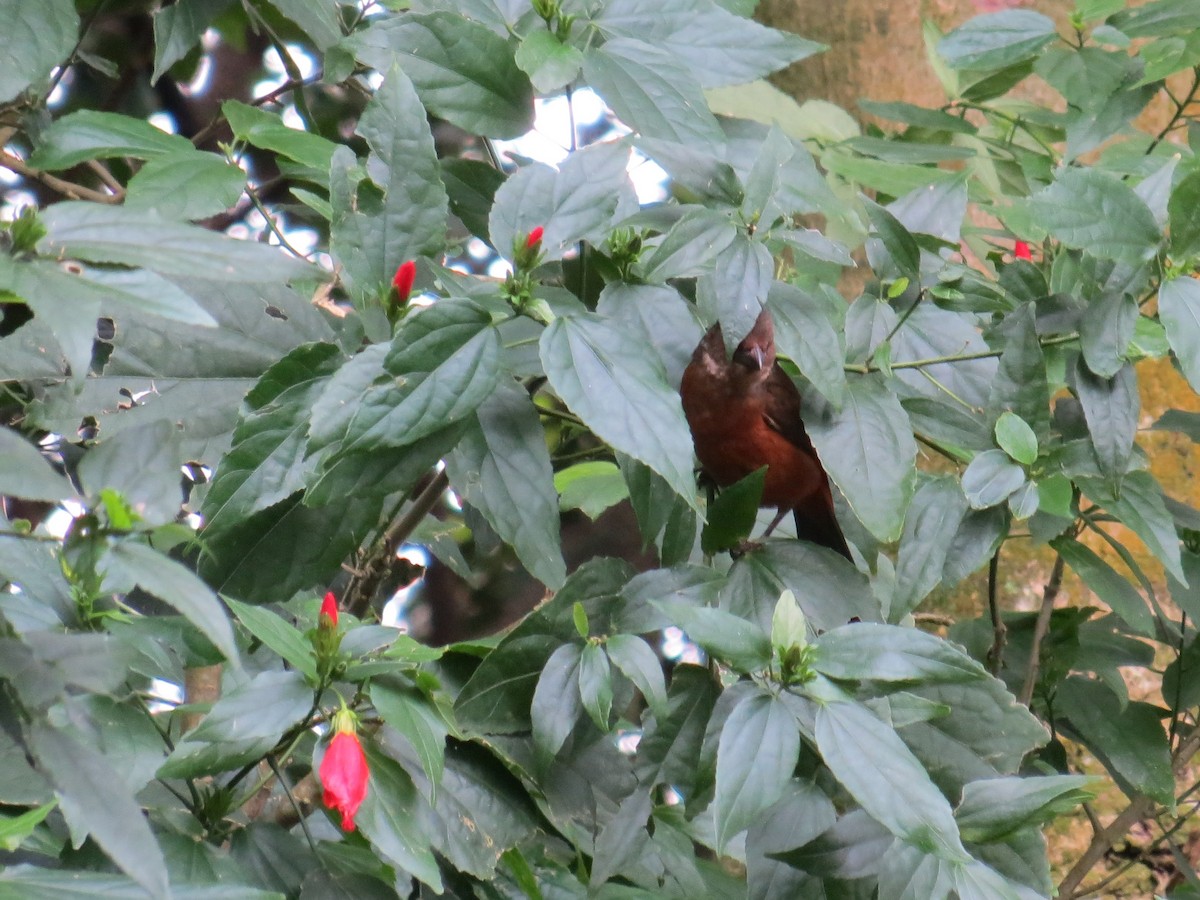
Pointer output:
816, 523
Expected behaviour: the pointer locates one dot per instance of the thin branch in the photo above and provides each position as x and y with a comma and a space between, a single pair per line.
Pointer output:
66, 188
1179, 111
287, 790
106, 176
1041, 628
955, 357
995, 656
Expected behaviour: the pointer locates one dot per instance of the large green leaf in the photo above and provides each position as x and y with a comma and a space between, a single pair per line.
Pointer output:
176, 585
669, 751
95, 803
135, 237
443, 362
932, 521
590, 190
188, 185
1111, 407
1106, 331
1097, 212
609, 378
1110, 586
319, 20
994, 808
501, 467
412, 715
689, 247
394, 818
1185, 232
266, 463
142, 465
33, 41
991, 478
866, 651
735, 289
651, 91
1179, 310
372, 236
806, 335
1019, 383
1140, 506
24, 472
264, 707
998, 40
881, 773
1129, 740
759, 746
91, 134
178, 28
462, 71
868, 450
713, 42
556, 705
278, 635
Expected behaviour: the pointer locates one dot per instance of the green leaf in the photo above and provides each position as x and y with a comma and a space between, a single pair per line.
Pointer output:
502, 468
462, 71
997, 40
590, 190
1129, 741
868, 758
595, 685
556, 703
640, 664
90, 134
1019, 383
266, 463
178, 28
733, 514
1111, 587
1140, 506
1179, 310
392, 819
710, 40
471, 187
608, 377
651, 91
266, 130
622, 840
1106, 330
669, 752
278, 634
1111, 407
443, 362
15, 829
991, 478
691, 244
412, 715
24, 472
742, 644
266, 706
187, 185
865, 651
95, 803
930, 526
1094, 211
549, 63
758, 749
142, 465
788, 626
901, 247
735, 289
1185, 231
34, 40
994, 808
868, 450
372, 236
590, 487
135, 237
1158, 18
320, 20
1016, 438
177, 586
805, 334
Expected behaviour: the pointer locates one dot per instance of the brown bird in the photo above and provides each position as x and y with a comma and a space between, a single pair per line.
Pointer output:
744, 414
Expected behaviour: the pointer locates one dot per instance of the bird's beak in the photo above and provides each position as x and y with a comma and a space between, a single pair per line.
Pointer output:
756, 353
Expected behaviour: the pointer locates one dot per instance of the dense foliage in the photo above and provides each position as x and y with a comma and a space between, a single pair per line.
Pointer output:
1016, 261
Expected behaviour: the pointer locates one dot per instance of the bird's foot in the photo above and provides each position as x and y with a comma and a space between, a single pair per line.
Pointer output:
744, 546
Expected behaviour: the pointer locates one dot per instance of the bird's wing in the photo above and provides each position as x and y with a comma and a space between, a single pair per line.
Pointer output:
781, 410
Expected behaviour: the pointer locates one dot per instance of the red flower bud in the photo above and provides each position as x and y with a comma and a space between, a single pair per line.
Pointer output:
329, 611
344, 774
535, 238
1021, 250
402, 282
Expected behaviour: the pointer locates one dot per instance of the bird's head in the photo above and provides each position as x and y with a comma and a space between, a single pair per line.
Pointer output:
756, 352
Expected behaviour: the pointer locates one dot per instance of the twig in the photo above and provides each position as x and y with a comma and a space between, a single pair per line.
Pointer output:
954, 357
358, 596
66, 188
106, 176
295, 804
995, 656
1040, 628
